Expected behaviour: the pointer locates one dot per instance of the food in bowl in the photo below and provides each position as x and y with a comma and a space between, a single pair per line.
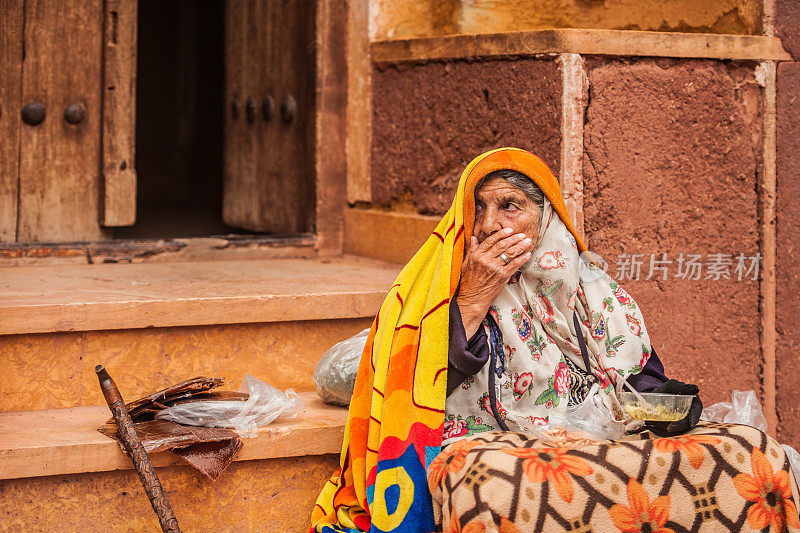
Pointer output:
656, 407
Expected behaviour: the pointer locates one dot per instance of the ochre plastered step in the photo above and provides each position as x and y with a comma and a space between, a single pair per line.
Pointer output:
66, 441
56, 370
129, 296
271, 319
261, 495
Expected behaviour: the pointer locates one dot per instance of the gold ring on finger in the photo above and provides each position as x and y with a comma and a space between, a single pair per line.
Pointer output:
505, 258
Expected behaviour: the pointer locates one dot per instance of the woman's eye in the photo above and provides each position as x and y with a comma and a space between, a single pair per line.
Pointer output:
509, 206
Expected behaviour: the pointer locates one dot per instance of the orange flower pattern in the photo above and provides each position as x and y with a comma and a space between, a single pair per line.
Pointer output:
554, 465
452, 459
771, 494
641, 514
455, 526
691, 445
580, 485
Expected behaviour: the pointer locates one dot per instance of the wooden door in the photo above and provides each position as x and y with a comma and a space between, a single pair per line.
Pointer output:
10, 76
66, 156
59, 166
270, 54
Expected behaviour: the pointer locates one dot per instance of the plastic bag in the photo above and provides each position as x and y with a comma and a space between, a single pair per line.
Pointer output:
794, 461
265, 404
745, 409
591, 419
336, 371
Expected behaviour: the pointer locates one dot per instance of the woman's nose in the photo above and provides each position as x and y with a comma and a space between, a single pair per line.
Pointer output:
490, 223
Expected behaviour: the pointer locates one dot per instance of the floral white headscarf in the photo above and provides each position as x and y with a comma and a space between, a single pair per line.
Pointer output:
534, 313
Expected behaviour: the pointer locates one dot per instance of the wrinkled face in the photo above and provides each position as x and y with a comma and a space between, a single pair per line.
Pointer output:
498, 205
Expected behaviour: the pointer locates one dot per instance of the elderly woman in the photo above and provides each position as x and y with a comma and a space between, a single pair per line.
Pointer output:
495, 327
535, 314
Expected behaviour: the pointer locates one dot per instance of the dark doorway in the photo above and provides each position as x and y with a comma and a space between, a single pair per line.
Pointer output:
179, 122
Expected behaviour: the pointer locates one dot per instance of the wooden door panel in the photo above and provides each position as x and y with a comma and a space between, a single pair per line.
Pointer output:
239, 143
119, 113
10, 74
269, 164
59, 180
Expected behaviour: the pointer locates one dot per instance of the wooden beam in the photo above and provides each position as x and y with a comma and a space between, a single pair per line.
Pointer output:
359, 102
581, 41
213, 248
331, 107
119, 113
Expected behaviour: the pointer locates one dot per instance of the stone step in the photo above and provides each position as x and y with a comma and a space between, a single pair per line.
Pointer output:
155, 324
58, 473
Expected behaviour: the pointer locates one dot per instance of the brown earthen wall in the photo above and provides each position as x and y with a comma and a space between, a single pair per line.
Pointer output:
672, 155
788, 253
56, 370
787, 25
430, 120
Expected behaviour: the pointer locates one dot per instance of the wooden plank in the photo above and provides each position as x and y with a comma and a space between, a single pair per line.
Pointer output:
189, 293
11, 24
285, 171
359, 102
581, 41
331, 121
238, 167
66, 441
59, 190
119, 113
269, 164
214, 248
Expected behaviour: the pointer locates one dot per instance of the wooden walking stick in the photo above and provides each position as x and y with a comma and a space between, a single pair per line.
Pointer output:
141, 462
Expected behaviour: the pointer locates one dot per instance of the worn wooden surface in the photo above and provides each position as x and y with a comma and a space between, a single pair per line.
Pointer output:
66, 441
269, 164
214, 248
359, 102
107, 296
11, 24
59, 184
331, 121
119, 113
239, 179
580, 41
384, 235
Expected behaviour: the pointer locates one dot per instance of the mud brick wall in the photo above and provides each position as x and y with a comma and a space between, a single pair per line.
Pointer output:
788, 252
673, 163
430, 120
672, 152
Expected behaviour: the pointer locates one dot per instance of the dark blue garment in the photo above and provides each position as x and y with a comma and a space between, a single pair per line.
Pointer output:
467, 357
